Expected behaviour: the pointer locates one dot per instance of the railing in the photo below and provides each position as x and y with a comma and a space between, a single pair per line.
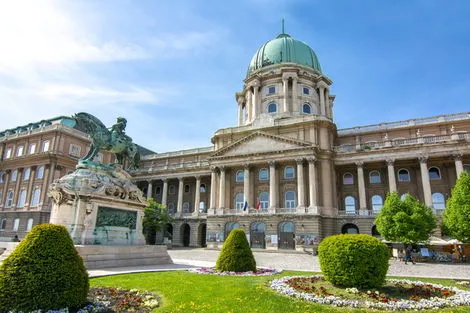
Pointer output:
178, 153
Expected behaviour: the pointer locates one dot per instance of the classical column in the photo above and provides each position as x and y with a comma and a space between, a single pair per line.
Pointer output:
255, 99
165, 192
312, 177
32, 177
6, 179
294, 95
197, 195
392, 182
327, 186
222, 188
249, 106
149, 189
246, 185
213, 187
272, 185
425, 179
327, 103
285, 91
300, 183
458, 164
240, 101
322, 100
179, 207
45, 184
362, 186
17, 187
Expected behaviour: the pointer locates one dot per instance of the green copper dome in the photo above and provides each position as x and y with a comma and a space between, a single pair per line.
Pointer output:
284, 49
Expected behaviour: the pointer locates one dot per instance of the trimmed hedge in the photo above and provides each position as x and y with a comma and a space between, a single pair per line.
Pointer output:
236, 255
354, 260
43, 272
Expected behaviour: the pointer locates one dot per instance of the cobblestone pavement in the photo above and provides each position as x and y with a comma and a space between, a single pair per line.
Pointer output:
306, 262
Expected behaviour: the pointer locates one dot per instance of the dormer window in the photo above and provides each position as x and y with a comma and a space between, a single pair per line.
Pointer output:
271, 90
272, 108
306, 91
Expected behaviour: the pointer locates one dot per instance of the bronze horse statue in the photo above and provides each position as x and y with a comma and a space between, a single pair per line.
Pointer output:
113, 140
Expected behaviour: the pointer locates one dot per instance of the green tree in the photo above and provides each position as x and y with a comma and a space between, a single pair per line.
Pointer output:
456, 217
155, 219
236, 255
408, 221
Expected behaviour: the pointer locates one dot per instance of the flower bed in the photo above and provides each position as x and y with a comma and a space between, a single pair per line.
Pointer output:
420, 295
212, 271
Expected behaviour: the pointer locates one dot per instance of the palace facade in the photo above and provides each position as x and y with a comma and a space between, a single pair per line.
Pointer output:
287, 175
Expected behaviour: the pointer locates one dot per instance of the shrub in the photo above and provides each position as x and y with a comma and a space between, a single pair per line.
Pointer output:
43, 272
354, 260
236, 255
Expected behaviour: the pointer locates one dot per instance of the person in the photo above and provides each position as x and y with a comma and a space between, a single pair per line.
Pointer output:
16, 239
408, 255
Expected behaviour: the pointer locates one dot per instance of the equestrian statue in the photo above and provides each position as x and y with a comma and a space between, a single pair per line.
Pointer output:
113, 140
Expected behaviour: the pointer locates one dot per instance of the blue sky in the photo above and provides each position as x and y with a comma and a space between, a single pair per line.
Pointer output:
172, 67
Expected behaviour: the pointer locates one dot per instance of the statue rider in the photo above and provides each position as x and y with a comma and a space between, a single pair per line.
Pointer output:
120, 126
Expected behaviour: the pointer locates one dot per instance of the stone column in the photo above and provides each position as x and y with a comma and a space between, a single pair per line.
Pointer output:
326, 176
17, 187
362, 186
240, 102
425, 179
300, 183
32, 177
165, 192
149, 189
213, 188
45, 184
197, 195
294, 95
392, 182
222, 188
285, 86
179, 207
322, 100
255, 99
5, 186
458, 164
312, 177
272, 185
249, 106
327, 103
246, 185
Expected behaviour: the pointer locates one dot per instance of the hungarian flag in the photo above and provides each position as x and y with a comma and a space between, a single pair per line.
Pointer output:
258, 205
245, 206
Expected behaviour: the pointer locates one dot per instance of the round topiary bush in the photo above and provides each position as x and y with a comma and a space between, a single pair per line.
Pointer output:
354, 260
43, 272
236, 255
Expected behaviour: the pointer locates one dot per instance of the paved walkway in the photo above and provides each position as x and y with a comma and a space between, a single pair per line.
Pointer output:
190, 258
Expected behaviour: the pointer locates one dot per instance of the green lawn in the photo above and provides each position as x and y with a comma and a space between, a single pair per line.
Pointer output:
188, 292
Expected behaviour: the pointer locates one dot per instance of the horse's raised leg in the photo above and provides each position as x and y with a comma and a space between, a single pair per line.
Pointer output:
90, 153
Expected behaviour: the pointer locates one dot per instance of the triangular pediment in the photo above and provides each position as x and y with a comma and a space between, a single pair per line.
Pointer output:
261, 143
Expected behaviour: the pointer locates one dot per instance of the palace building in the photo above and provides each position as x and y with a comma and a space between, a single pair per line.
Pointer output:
287, 175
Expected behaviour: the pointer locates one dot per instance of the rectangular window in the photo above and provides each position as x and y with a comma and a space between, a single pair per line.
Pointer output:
8, 153
271, 90
45, 146
32, 148
74, 150
3, 225
16, 224
19, 151
306, 91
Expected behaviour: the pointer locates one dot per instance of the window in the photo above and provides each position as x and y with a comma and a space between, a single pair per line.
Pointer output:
290, 202
40, 172
1, 196
289, 172
229, 227
16, 224
14, 175
187, 189
434, 173
466, 168
264, 200
8, 153
403, 175
202, 188
239, 176
374, 177
350, 205
2, 175
9, 200
271, 90
27, 173
29, 224
287, 227
98, 157
348, 179
35, 197
171, 189
32, 148
158, 190
21, 199
263, 174
171, 208
438, 201
186, 207
272, 108
377, 203
306, 91
239, 201
74, 150
202, 207
350, 229
45, 146
3, 224
19, 151
306, 108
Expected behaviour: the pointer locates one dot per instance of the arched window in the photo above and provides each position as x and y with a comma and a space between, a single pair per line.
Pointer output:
239, 177
3, 224
14, 175
263, 174
158, 190
239, 201
264, 200
438, 201
289, 172
434, 173
272, 108
16, 224
202, 207
202, 188
172, 189
374, 177
27, 173
230, 226
403, 175
377, 203
186, 207
29, 224
287, 227
9, 200
306, 108
350, 205
35, 197
290, 202
187, 189
350, 229
171, 208
45, 146
348, 179
40, 172
22, 198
